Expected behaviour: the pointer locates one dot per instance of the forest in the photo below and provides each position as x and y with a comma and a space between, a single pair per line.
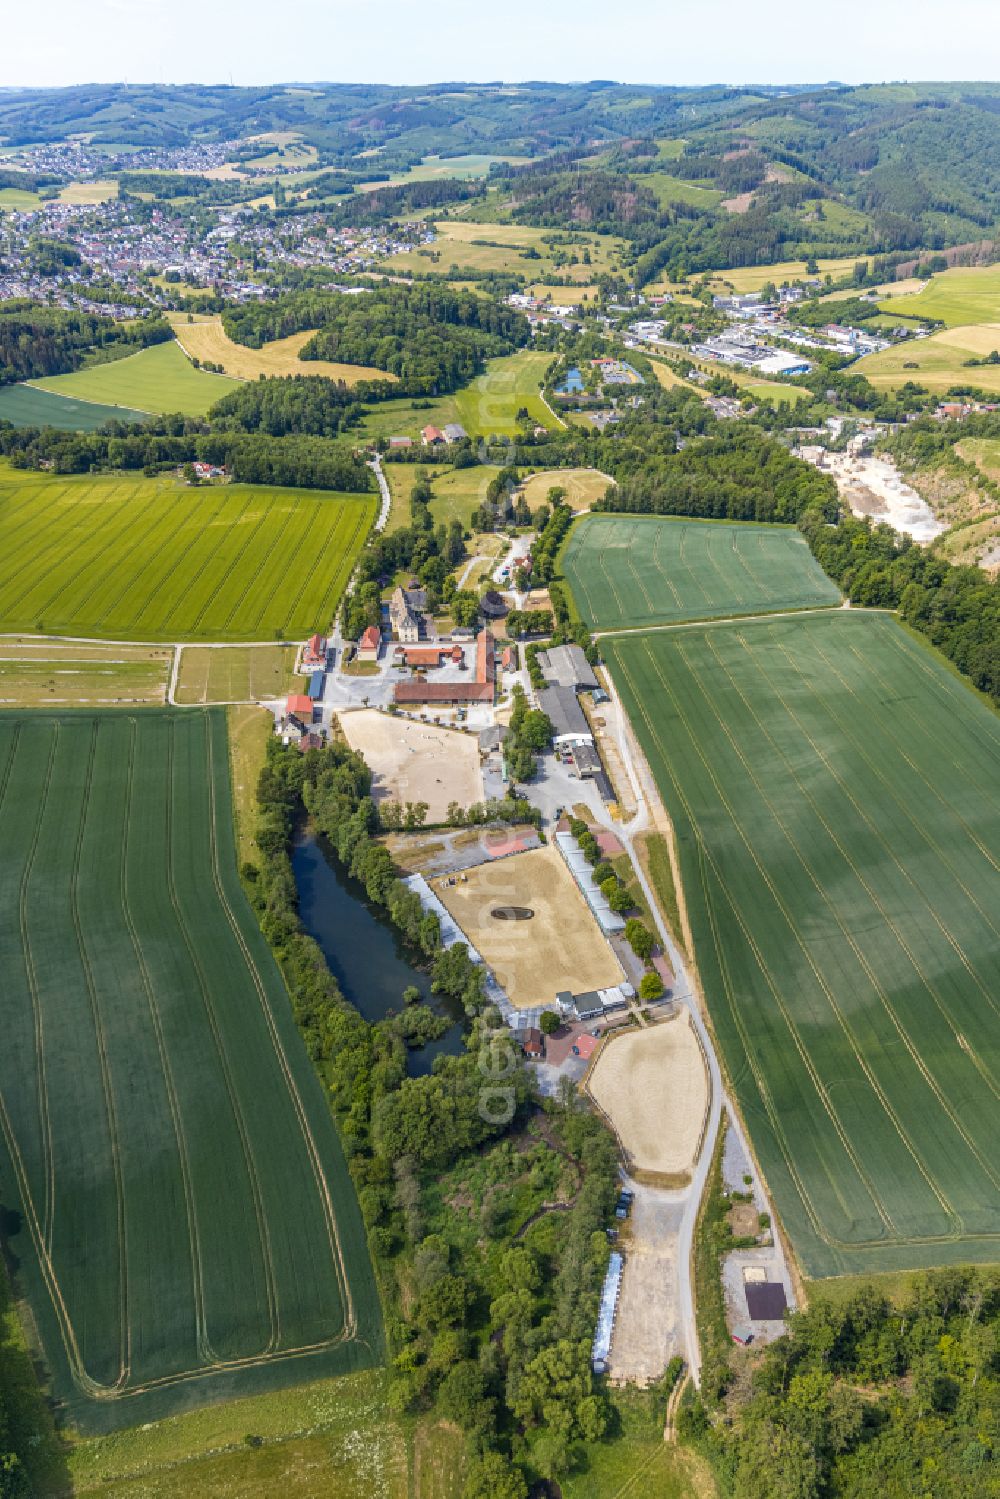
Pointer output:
738, 474
37, 341
295, 404
433, 339
297, 462
866, 1397
956, 608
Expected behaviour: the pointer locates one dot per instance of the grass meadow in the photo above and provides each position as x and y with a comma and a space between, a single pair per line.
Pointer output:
835, 791
160, 378
750, 278
462, 244
185, 1227
966, 294
631, 571
27, 406
53, 673
487, 406
127, 558
937, 362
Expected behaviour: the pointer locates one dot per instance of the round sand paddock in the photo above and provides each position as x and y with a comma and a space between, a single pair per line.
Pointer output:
651, 1084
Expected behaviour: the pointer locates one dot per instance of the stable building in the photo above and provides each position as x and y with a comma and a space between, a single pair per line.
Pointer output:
569, 724
567, 666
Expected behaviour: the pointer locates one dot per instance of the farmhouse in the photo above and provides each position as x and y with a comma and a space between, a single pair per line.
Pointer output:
430, 436
404, 618
314, 653
453, 432
370, 644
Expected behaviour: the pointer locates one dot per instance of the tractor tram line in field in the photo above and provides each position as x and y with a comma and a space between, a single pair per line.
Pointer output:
775, 990
204, 989
921, 833
849, 939
132, 788
834, 790
205, 1351
166, 575
942, 1098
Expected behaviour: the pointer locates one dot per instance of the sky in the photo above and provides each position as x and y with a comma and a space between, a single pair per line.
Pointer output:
413, 41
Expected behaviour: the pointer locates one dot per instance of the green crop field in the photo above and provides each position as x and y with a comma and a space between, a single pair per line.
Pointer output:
177, 1202
27, 406
630, 571
160, 378
835, 790
127, 558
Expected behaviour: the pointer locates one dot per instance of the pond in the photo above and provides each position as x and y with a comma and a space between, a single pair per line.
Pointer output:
363, 949
572, 385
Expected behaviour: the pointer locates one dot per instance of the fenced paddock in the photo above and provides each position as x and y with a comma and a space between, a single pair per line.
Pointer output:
560, 947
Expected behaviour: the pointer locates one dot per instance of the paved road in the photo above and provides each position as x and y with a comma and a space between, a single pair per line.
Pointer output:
646, 794
376, 467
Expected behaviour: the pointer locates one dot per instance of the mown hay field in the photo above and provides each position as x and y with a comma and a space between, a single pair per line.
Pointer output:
160, 378
126, 558
583, 486
178, 1205
630, 571
835, 790
235, 673
463, 245
205, 338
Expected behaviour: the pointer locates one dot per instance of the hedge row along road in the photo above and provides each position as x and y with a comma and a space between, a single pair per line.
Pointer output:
127, 558
632, 571
178, 1205
836, 796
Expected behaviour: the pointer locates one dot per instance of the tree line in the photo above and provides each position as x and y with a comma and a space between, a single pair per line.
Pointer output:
737, 474
956, 607
497, 1340
251, 458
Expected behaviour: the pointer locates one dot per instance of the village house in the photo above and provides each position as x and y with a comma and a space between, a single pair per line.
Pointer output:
370, 644
430, 436
314, 652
